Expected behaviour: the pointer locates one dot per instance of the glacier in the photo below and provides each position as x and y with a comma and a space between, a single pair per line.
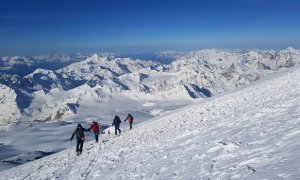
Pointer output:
251, 132
59, 94
46, 103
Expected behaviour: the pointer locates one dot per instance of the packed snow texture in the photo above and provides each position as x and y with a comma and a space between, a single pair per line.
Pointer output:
251, 132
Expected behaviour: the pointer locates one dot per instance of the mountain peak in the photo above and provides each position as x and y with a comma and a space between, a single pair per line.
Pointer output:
291, 49
95, 56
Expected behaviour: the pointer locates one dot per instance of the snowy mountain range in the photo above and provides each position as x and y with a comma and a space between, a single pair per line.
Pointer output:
251, 132
22, 65
80, 85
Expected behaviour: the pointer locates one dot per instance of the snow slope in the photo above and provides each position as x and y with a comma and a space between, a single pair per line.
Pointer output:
252, 132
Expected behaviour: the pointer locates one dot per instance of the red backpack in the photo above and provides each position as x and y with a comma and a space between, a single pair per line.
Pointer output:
130, 118
95, 127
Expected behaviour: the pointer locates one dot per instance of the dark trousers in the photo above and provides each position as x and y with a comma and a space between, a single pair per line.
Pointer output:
117, 128
79, 145
130, 123
96, 136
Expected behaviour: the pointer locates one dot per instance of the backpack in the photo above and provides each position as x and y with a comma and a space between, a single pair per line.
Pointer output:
130, 118
95, 127
119, 120
79, 133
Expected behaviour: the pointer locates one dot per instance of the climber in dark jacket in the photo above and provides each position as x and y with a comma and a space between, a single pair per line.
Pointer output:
116, 123
79, 132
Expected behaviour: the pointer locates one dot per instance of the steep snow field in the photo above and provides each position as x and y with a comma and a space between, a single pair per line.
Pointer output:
252, 132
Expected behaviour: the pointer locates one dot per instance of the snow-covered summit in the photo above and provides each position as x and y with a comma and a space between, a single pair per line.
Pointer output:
104, 66
50, 73
251, 132
9, 110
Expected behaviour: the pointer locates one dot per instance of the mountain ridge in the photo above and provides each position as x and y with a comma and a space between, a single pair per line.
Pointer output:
193, 75
250, 132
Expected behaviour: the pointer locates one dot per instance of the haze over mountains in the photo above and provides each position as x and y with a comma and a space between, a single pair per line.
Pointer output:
80, 85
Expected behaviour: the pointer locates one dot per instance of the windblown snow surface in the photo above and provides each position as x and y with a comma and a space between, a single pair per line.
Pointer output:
252, 132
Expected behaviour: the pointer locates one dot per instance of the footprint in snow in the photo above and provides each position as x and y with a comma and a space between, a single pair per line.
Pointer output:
162, 169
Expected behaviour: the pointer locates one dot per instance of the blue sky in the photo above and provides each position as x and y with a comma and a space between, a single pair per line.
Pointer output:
145, 26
